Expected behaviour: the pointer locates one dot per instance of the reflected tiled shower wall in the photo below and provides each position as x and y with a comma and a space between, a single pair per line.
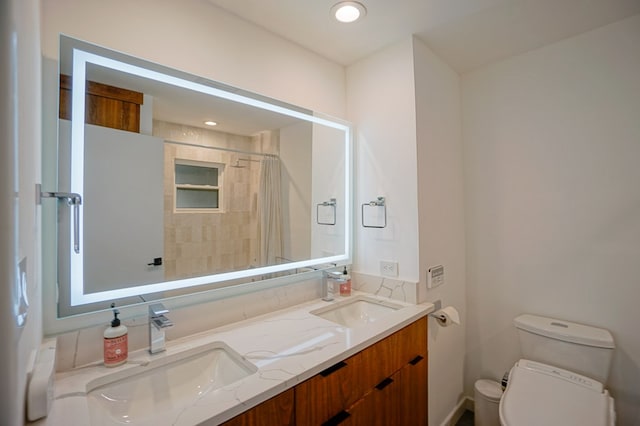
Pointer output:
198, 243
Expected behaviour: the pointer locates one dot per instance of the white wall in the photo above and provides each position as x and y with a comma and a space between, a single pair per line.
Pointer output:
381, 101
197, 37
20, 135
441, 221
406, 103
551, 144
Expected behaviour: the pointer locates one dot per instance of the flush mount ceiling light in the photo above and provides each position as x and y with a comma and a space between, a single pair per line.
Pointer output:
210, 123
348, 11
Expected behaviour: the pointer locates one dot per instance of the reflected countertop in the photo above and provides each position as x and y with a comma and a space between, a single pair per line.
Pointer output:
287, 347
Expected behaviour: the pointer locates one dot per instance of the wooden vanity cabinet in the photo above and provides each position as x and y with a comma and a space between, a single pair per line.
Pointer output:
385, 384
331, 391
398, 400
277, 411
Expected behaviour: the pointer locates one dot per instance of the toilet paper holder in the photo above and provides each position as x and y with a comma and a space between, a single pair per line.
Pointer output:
445, 317
437, 305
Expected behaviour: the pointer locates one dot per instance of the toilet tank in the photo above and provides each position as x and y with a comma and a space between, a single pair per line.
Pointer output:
576, 347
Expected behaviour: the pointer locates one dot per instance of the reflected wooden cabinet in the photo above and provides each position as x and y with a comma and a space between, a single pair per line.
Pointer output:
385, 384
105, 105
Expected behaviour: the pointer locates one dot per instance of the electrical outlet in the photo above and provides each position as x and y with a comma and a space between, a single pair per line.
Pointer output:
388, 268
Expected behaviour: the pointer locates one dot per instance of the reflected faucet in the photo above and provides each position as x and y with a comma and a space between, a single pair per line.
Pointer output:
157, 323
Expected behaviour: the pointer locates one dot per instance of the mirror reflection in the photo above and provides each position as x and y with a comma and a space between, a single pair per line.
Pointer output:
188, 184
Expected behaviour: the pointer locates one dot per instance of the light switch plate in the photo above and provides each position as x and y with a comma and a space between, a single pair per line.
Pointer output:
435, 276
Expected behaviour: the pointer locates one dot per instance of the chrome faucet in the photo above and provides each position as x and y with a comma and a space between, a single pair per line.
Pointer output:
329, 279
157, 323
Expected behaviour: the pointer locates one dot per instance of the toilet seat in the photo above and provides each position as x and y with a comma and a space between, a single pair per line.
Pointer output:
541, 394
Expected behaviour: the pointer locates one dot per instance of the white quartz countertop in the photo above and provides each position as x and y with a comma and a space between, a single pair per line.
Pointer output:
287, 347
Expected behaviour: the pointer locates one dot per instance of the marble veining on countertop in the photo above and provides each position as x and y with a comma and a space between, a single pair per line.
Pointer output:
287, 347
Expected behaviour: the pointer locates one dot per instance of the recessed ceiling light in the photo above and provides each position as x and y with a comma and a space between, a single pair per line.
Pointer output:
348, 11
210, 123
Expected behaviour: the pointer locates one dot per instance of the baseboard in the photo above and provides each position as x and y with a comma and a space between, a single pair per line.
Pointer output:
470, 404
465, 403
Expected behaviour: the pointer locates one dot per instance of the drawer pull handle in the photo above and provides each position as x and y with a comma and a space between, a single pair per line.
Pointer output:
383, 384
416, 360
337, 419
333, 368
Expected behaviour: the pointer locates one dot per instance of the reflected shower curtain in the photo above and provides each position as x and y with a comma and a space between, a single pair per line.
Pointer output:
270, 212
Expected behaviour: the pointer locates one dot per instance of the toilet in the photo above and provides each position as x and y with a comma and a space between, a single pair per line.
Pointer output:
560, 380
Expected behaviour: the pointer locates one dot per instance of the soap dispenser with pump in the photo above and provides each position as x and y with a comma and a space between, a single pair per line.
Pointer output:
345, 283
116, 343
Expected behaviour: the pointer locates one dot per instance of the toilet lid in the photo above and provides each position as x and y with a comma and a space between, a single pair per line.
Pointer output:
540, 394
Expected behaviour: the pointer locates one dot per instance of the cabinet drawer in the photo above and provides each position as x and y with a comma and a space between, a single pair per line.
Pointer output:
397, 400
391, 354
329, 392
379, 407
412, 396
277, 411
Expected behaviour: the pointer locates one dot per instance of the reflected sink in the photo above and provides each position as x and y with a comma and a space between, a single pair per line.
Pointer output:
357, 312
150, 394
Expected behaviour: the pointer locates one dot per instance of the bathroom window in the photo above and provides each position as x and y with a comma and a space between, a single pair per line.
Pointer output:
198, 186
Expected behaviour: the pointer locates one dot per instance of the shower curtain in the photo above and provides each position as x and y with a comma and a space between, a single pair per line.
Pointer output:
270, 212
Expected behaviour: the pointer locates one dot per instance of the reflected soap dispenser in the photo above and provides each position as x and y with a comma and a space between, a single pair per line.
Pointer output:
116, 342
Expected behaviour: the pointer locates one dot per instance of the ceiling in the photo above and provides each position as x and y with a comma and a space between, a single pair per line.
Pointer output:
466, 34
175, 104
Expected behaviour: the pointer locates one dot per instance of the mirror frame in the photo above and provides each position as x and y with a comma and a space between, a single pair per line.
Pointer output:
85, 53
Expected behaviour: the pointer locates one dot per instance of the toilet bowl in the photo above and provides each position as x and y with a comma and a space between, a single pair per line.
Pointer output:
561, 379
541, 394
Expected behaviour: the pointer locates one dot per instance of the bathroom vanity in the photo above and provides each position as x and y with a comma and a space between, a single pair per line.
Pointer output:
383, 384
291, 366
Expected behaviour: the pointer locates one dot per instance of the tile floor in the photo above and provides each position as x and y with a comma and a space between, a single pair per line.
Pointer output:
466, 419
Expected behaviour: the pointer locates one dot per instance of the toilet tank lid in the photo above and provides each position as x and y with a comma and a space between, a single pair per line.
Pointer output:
565, 331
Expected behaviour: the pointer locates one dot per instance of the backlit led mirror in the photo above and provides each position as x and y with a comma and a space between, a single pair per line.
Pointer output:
169, 205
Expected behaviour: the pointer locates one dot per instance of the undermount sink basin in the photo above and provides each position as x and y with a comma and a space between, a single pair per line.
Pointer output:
357, 312
149, 394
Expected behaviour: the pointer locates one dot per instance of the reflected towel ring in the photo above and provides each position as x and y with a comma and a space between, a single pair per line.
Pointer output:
326, 212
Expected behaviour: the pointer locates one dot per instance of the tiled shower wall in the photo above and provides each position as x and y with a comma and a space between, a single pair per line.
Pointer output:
200, 243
